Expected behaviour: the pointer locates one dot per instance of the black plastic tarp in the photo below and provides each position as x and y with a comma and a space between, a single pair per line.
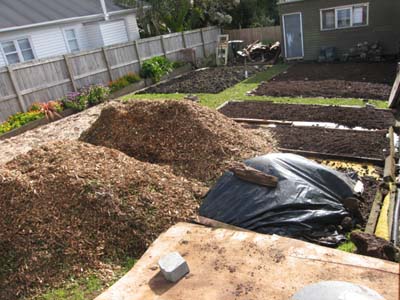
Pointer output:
306, 204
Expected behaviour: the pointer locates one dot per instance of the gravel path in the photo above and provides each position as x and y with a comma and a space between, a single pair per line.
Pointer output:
69, 128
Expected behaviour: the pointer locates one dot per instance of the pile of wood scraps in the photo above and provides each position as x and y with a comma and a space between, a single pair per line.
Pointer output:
259, 52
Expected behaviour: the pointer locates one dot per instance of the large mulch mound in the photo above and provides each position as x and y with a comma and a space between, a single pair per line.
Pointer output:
371, 144
332, 80
348, 116
69, 206
209, 81
195, 141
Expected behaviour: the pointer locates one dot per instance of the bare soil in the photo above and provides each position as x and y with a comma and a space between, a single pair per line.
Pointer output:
370, 144
336, 80
351, 117
210, 81
195, 141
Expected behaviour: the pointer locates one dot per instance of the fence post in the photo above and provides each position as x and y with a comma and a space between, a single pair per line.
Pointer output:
16, 89
163, 45
138, 54
203, 42
184, 40
70, 73
107, 63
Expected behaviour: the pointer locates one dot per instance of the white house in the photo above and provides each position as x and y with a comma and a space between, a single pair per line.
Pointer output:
33, 29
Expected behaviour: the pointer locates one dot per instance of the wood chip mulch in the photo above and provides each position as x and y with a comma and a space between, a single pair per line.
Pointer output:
69, 206
195, 141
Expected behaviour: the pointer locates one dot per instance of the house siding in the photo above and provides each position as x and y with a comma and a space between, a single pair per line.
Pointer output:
45, 42
114, 32
93, 35
51, 41
384, 24
132, 27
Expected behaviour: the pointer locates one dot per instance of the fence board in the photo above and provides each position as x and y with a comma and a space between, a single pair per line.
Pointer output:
52, 78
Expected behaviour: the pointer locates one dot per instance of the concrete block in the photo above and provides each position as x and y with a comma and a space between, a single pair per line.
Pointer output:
173, 266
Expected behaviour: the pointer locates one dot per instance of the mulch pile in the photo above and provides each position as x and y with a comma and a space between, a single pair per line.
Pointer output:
71, 205
195, 141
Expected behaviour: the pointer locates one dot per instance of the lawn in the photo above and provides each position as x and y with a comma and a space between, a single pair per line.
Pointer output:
239, 92
89, 286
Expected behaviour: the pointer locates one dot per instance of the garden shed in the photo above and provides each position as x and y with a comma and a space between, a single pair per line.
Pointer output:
311, 25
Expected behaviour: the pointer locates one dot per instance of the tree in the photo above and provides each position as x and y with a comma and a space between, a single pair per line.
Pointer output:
178, 15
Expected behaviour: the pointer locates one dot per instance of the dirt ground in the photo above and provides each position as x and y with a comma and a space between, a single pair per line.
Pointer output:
210, 81
347, 116
371, 144
338, 80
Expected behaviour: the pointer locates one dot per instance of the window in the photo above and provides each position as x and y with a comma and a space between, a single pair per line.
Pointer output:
360, 15
18, 51
344, 17
72, 40
328, 19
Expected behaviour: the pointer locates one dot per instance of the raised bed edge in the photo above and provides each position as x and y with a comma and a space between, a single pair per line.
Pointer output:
34, 124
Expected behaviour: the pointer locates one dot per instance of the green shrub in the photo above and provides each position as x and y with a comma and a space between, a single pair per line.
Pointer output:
156, 67
178, 64
20, 119
86, 97
123, 81
97, 94
132, 77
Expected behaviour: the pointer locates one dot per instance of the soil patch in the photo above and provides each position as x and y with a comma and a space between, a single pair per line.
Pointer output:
348, 116
325, 88
195, 141
69, 206
209, 81
371, 144
360, 72
337, 80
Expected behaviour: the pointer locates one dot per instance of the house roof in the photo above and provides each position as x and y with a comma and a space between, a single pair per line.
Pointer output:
17, 13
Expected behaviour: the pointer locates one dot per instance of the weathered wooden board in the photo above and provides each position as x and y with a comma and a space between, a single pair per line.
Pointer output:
228, 264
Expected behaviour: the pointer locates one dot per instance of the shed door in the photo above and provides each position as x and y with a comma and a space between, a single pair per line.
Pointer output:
293, 34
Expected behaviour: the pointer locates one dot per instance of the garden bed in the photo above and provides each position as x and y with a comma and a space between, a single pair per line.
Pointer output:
339, 80
210, 80
346, 116
351, 143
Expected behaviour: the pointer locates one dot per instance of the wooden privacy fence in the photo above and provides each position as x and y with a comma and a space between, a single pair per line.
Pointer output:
250, 35
49, 79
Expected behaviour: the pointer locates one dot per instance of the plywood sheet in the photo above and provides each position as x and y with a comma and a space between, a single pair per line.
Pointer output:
229, 264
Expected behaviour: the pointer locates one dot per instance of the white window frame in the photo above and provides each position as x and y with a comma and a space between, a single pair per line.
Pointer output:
67, 41
18, 49
336, 9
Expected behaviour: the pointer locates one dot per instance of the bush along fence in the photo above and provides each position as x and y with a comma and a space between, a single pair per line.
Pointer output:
21, 85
